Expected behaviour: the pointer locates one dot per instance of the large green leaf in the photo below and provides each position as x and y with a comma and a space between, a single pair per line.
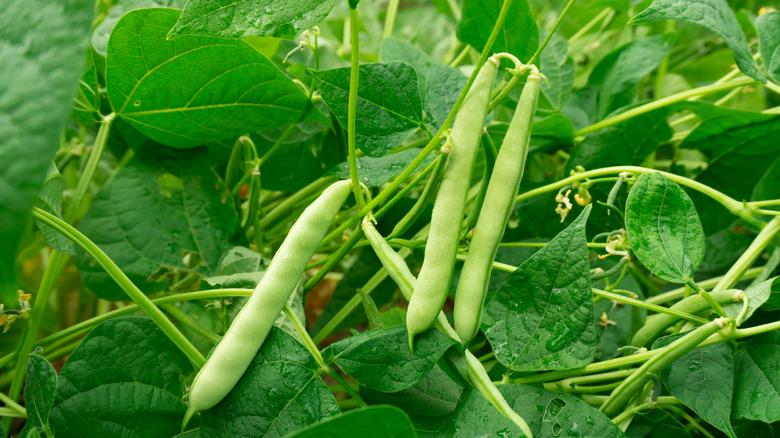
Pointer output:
615, 78
768, 187
380, 359
280, 393
473, 417
378, 421
440, 84
241, 18
124, 379
42, 47
194, 90
542, 317
715, 15
656, 423
703, 379
388, 103
558, 67
519, 35
741, 147
102, 32
768, 26
663, 228
162, 205
432, 396
552, 414
376, 171
757, 386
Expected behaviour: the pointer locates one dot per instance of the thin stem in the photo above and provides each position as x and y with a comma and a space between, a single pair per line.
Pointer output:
707, 297
710, 282
191, 324
89, 171
652, 307
354, 26
660, 103
392, 10
550, 33
127, 286
461, 56
731, 204
589, 25
57, 262
333, 259
315, 352
12, 404
440, 134
750, 255
288, 203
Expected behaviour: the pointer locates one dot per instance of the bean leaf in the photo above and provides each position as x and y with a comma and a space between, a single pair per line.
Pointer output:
42, 50
39, 391
757, 386
380, 421
161, 195
432, 396
768, 27
518, 36
388, 101
241, 18
542, 317
380, 359
125, 375
50, 200
715, 15
194, 90
102, 32
663, 228
281, 392
703, 379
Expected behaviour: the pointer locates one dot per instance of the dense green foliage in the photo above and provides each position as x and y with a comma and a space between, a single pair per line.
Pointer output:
159, 157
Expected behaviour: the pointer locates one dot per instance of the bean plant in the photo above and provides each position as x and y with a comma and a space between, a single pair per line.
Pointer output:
458, 218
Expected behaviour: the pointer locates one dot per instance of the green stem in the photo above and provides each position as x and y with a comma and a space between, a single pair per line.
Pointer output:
707, 297
648, 306
289, 203
750, 255
127, 286
354, 26
732, 205
392, 10
710, 282
440, 134
589, 25
333, 259
89, 171
57, 262
191, 324
12, 404
665, 101
8, 413
550, 33
315, 352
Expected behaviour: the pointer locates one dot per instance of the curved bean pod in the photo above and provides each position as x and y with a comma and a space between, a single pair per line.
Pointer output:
243, 339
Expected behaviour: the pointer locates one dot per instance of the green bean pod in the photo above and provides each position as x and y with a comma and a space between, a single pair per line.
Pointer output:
694, 304
634, 383
496, 208
441, 249
243, 339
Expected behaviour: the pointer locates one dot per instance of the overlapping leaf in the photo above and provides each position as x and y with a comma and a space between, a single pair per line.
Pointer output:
715, 15
42, 50
194, 90
389, 106
663, 228
281, 392
542, 317
241, 18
